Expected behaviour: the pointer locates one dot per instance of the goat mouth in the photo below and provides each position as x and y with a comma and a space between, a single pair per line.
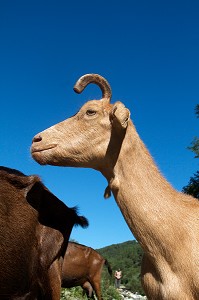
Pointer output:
35, 149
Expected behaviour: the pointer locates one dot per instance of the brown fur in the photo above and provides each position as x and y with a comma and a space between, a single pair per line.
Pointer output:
34, 230
164, 221
82, 266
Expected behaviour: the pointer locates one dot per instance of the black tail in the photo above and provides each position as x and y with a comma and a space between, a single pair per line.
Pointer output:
108, 267
82, 221
79, 220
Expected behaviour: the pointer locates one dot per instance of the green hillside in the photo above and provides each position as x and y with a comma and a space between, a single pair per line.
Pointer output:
127, 256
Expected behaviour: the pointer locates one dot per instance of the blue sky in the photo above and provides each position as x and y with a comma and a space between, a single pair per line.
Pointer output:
149, 53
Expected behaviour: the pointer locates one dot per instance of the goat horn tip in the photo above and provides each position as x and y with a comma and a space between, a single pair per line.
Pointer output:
76, 90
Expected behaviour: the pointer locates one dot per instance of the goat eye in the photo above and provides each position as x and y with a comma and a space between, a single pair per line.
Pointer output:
90, 112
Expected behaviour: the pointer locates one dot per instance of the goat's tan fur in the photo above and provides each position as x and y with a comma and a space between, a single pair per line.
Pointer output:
164, 221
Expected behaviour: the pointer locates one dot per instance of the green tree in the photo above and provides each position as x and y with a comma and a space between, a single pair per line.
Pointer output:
127, 256
195, 143
197, 110
193, 186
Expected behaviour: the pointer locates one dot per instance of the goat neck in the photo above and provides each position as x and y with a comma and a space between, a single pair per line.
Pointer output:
145, 198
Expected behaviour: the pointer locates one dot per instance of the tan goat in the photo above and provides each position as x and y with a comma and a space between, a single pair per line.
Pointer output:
164, 221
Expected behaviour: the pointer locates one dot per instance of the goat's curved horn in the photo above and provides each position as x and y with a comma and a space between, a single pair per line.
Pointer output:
93, 78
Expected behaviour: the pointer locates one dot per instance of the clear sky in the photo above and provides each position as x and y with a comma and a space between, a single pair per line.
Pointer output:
149, 53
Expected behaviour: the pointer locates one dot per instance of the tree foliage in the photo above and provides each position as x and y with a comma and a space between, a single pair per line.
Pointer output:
126, 256
197, 110
193, 186
194, 147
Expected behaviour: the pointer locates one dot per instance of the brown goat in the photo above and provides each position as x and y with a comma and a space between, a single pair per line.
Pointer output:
82, 266
163, 220
34, 230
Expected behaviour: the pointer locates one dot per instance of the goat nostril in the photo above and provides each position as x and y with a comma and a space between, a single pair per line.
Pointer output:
37, 138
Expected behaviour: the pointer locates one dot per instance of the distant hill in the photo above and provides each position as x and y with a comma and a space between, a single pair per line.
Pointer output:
127, 256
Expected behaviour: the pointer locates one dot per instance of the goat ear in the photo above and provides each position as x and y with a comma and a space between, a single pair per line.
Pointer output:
120, 115
31, 182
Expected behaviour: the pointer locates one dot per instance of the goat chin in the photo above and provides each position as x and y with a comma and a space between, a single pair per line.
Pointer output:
46, 158
39, 157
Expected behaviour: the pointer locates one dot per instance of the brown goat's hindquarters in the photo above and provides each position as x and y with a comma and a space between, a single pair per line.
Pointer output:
83, 266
